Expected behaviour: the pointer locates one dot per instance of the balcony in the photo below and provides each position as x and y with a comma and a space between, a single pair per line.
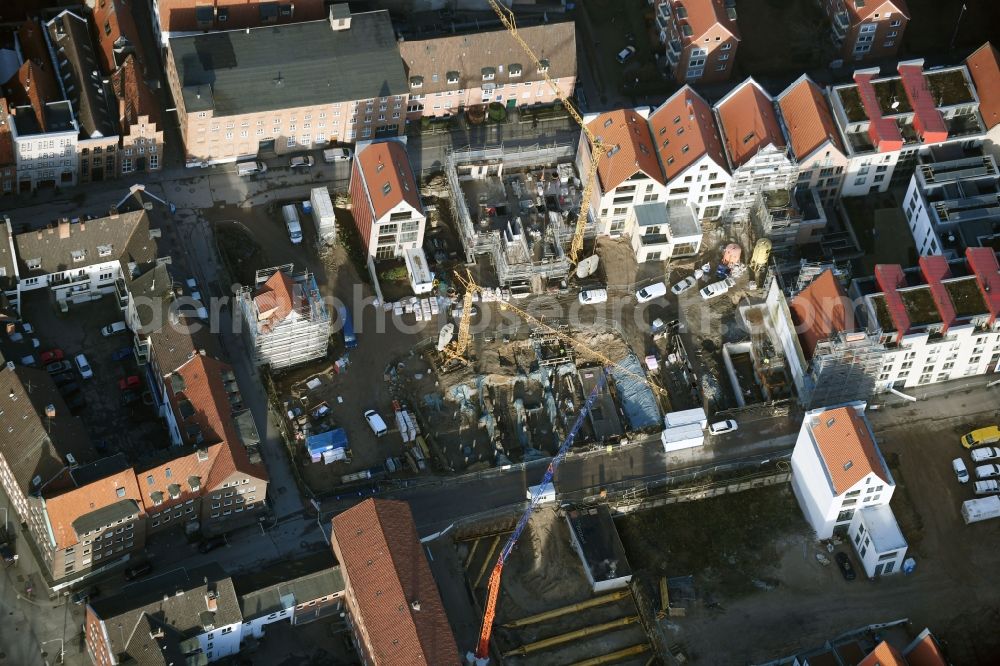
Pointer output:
653, 239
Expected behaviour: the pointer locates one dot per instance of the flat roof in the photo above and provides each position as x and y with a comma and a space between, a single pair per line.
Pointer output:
603, 414
883, 528
598, 538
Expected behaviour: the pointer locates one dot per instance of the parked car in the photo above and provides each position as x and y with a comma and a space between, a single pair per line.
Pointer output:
625, 54
985, 453
86, 596
57, 367
130, 382
376, 423
301, 161
7, 554
83, 366
722, 427
250, 168
122, 354
990, 487
331, 155
138, 571
64, 378
717, 288
593, 296
684, 285
961, 471
650, 292
29, 361
69, 388
845, 566
987, 471
129, 396
113, 328
208, 545
52, 355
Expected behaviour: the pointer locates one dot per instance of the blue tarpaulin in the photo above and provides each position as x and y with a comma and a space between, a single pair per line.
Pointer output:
637, 399
326, 441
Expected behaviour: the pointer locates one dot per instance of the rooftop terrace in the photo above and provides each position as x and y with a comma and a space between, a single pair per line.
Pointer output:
920, 306
966, 297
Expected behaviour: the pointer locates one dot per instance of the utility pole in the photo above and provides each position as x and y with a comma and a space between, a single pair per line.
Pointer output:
957, 24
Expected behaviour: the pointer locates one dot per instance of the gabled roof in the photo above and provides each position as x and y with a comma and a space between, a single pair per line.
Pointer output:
819, 311
984, 66
883, 654
464, 57
808, 118
748, 122
6, 138
131, 90
8, 281
924, 651
35, 84
117, 33
276, 298
703, 15
846, 448
388, 176
684, 131
628, 148
860, 10
65, 511
388, 575
32, 443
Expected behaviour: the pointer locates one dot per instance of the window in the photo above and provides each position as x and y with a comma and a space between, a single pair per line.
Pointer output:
896, 24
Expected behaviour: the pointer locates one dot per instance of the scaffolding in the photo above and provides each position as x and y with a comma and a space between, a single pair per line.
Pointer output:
770, 170
507, 247
845, 368
300, 336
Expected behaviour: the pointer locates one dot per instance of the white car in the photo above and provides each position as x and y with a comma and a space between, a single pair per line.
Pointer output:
650, 292
592, 296
111, 329
717, 288
376, 423
958, 465
990, 487
83, 366
684, 285
722, 427
987, 471
984, 453
331, 155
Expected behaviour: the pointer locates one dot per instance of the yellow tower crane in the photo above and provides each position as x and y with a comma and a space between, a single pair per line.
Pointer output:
457, 348
596, 148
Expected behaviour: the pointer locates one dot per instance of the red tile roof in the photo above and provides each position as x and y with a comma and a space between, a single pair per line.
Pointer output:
984, 66
6, 138
890, 278
131, 88
703, 15
66, 508
749, 122
384, 163
927, 120
860, 11
399, 608
807, 118
628, 148
819, 311
846, 448
883, 131
924, 651
276, 299
983, 262
694, 134
35, 83
883, 655
935, 268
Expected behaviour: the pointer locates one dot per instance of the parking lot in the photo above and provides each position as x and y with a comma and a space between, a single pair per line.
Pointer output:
134, 429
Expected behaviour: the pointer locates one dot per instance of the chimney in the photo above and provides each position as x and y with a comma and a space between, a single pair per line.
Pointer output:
83, 225
113, 213
63, 228
340, 17
50, 411
415, 604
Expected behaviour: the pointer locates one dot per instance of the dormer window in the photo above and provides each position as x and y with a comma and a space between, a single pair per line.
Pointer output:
416, 82
104, 250
543, 65
33, 264
489, 73
514, 71
386, 188
452, 78
78, 255
434, 78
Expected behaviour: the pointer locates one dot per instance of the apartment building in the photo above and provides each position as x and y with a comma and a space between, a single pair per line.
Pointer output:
628, 174
175, 18
866, 29
951, 201
759, 159
449, 73
385, 200
661, 231
701, 38
884, 121
297, 103
837, 468
394, 609
690, 151
8, 160
286, 320
814, 141
984, 68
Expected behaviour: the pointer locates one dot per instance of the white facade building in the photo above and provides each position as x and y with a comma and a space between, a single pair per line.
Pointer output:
663, 231
877, 540
45, 156
837, 468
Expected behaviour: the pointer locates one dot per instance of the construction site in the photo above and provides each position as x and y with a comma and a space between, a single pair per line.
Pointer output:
519, 207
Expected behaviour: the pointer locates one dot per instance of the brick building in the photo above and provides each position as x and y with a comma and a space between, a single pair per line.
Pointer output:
867, 29
174, 18
701, 38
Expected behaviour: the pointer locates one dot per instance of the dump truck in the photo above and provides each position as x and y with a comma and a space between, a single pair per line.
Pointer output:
323, 216
984, 508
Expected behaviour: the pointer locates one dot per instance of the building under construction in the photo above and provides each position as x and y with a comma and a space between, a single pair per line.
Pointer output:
520, 207
286, 319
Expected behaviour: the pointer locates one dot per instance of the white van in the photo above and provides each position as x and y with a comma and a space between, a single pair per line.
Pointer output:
331, 155
111, 329
376, 423
292, 223
250, 168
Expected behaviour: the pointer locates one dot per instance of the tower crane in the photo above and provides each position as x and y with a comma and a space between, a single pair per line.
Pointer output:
506, 17
456, 349
483, 647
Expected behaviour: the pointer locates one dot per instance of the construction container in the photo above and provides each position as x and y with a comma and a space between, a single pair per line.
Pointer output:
323, 215
984, 508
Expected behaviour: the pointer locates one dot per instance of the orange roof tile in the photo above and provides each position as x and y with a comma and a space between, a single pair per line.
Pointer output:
984, 66
628, 148
703, 15
924, 651
846, 447
748, 122
883, 655
819, 311
807, 118
6, 138
131, 88
189, 473
387, 573
66, 508
684, 130
860, 11
388, 176
276, 298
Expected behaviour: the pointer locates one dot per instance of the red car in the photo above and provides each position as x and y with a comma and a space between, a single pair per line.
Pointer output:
52, 355
130, 382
